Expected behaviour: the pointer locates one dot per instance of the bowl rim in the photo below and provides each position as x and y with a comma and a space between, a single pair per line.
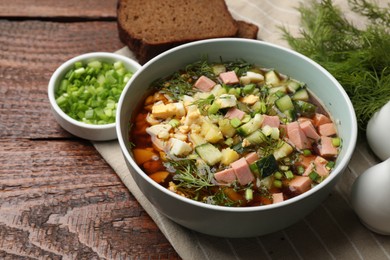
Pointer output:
66, 66
340, 166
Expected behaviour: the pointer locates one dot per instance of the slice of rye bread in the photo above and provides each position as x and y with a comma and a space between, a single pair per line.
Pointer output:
146, 52
151, 27
247, 30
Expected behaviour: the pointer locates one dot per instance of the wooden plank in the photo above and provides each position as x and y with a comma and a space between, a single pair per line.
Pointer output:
91, 9
70, 204
31, 52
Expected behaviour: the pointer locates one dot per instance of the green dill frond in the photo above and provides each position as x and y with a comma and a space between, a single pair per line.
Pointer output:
200, 68
240, 66
189, 175
203, 103
358, 58
175, 86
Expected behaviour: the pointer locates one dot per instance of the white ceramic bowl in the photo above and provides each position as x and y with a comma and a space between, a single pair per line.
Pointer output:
244, 221
77, 128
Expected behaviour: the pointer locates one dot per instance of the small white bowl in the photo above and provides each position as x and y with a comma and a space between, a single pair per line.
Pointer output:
77, 128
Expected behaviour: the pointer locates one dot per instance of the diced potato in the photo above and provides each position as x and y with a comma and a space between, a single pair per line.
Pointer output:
214, 135
193, 117
226, 128
229, 156
206, 125
197, 139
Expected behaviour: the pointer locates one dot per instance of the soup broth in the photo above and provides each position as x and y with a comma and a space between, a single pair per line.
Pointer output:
233, 134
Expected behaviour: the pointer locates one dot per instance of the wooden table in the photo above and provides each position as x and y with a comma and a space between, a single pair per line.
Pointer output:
58, 198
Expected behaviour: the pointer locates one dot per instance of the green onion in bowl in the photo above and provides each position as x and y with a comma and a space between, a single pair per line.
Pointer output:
84, 91
89, 92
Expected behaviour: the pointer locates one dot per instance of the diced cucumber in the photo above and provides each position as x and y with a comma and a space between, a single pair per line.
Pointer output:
253, 124
254, 169
301, 94
272, 78
284, 150
291, 115
306, 109
284, 103
248, 89
255, 138
259, 107
293, 85
209, 153
280, 90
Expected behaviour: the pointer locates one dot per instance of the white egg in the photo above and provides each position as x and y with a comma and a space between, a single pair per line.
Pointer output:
370, 197
378, 132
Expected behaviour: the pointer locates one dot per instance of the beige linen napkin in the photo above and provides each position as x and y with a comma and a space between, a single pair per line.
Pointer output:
332, 231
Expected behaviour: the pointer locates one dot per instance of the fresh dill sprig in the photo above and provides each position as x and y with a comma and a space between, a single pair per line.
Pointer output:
176, 85
358, 58
240, 66
200, 68
203, 103
220, 198
190, 175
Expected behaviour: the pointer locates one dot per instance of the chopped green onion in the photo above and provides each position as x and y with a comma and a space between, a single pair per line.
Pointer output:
300, 169
330, 165
314, 176
249, 194
289, 175
336, 141
248, 89
174, 122
213, 109
254, 168
235, 122
229, 141
246, 118
306, 152
89, 92
278, 175
278, 184
284, 167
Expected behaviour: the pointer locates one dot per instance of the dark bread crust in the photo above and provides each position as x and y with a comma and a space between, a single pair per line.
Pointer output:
247, 30
151, 27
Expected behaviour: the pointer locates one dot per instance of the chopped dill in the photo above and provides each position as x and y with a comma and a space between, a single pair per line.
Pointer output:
220, 198
358, 58
176, 85
201, 68
203, 103
240, 66
189, 175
